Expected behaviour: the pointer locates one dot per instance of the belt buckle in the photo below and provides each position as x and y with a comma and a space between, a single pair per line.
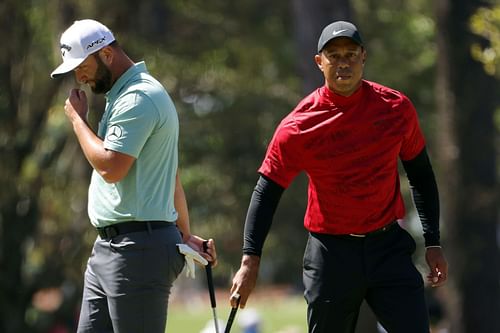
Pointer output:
112, 231
357, 235
108, 232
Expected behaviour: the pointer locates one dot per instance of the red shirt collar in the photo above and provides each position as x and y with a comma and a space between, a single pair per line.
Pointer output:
340, 100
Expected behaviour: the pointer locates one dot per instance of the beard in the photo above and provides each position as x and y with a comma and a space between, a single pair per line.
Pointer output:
102, 82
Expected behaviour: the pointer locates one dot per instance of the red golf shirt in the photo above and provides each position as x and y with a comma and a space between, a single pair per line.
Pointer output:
349, 149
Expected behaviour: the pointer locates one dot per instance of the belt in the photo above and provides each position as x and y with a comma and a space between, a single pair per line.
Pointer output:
130, 226
385, 228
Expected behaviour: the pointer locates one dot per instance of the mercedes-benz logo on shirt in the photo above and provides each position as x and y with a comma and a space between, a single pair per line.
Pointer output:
115, 132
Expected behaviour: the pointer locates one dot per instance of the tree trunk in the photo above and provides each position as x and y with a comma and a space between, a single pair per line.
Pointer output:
466, 100
310, 17
25, 96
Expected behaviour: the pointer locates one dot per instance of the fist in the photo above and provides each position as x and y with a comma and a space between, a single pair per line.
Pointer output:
76, 104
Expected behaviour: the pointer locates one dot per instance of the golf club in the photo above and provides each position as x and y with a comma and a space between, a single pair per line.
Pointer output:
210, 282
232, 314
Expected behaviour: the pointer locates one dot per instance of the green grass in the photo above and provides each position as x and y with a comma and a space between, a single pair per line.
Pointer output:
277, 313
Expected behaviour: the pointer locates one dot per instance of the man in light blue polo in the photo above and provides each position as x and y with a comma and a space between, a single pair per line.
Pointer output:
136, 200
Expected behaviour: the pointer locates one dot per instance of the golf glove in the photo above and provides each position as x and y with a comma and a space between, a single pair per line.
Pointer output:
190, 256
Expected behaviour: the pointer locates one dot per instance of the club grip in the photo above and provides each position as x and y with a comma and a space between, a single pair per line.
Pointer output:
232, 315
211, 290
210, 281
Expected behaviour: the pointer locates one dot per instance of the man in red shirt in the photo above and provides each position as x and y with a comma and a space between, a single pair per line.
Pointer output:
347, 136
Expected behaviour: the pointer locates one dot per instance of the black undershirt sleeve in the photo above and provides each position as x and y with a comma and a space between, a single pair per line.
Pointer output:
265, 198
425, 195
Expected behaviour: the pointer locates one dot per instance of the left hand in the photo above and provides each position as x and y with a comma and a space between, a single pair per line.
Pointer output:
438, 266
196, 243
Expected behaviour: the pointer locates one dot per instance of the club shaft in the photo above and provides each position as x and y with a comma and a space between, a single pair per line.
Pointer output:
211, 290
216, 322
230, 320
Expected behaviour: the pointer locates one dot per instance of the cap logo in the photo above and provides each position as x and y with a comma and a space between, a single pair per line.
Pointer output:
336, 32
65, 47
96, 42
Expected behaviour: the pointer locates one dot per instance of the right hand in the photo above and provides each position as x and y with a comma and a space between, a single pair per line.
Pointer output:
438, 266
76, 105
245, 279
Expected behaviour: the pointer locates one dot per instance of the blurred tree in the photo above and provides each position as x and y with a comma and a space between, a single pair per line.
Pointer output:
486, 23
310, 17
233, 69
467, 98
25, 97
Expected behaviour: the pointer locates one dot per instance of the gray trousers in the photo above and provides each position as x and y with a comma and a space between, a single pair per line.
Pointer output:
128, 281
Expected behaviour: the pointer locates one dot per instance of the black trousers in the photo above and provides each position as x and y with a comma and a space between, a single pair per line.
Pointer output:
341, 271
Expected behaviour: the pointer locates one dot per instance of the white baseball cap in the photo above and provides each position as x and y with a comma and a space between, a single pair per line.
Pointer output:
80, 40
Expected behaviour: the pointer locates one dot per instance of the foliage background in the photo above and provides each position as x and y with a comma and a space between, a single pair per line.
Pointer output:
234, 69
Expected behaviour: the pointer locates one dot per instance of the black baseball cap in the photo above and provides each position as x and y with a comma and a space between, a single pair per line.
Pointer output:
339, 29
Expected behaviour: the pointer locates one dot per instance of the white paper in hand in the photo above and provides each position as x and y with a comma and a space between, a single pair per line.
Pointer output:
190, 256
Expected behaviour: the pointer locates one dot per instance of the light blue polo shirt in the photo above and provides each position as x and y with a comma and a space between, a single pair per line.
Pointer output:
140, 120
